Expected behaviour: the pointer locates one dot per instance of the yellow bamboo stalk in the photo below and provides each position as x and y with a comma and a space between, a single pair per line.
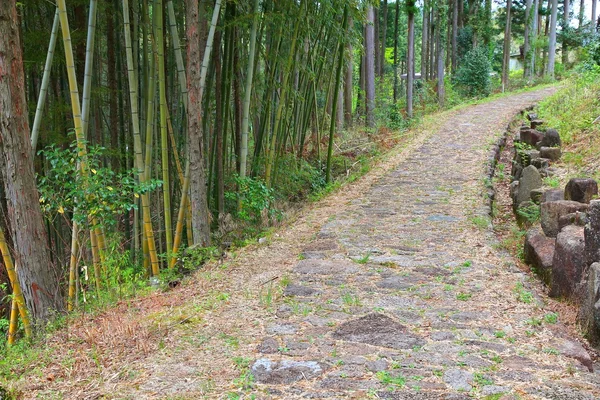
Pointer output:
72, 268
14, 322
95, 259
14, 283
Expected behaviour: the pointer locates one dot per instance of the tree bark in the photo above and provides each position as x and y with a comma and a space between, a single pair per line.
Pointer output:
454, 34
565, 28
594, 17
348, 80
383, 29
196, 75
424, 40
38, 282
410, 58
527, 39
396, 20
506, 52
370, 67
552, 39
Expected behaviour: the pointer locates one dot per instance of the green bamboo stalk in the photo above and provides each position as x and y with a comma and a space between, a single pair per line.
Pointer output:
35, 130
336, 91
178, 56
137, 142
164, 141
247, 95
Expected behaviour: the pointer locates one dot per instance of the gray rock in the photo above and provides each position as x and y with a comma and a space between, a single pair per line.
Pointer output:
458, 379
581, 190
282, 329
552, 153
536, 122
268, 345
551, 211
285, 371
589, 314
531, 116
576, 218
575, 350
592, 233
550, 139
377, 365
514, 190
553, 195
325, 267
298, 290
531, 136
493, 389
540, 163
568, 263
539, 253
379, 330
517, 171
530, 179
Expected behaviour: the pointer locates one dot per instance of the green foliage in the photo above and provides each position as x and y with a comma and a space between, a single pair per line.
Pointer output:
523, 295
297, 178
473, 74
101, 194
529, 213
389, 380
255, 198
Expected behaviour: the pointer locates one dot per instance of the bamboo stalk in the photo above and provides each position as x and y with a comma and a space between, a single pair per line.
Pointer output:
137, 142
73, 268
14, 322
178, 55
35, 130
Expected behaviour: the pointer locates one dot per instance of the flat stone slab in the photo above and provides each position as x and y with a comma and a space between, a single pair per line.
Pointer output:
378, 330
299, 290
325, 267
459, 379
284, 372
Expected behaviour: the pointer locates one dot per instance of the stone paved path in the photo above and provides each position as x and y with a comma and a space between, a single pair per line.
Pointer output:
396, 291
402, 294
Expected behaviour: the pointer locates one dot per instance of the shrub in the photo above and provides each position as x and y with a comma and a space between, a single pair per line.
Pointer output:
473, 74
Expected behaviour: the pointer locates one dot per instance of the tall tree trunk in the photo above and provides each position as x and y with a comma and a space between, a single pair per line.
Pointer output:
565, 29
410, 57
370, 67
506, 52
581, 14
377, 40
113, 121
552, 39
396, 20
594, 17
196, 75
36, 275
383, 29
454, 34
533, 35
424, 40
348, 79
440, 53
528, 32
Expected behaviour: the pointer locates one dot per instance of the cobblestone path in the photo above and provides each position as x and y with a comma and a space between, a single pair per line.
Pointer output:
393, 288
404, 295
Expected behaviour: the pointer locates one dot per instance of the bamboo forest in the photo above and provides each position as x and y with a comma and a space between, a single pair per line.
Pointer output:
146, 141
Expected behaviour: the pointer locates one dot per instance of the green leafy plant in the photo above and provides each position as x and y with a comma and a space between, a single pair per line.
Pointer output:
473, 74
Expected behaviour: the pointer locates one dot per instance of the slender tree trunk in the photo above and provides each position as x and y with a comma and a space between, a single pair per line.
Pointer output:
370, 67
440, 54
552, 38
533, 36
196, 75
383, 38
506, 52
565, 28
581, 14
410, 58
348, 79
35, 272
396, 20
424, 40
455, 34
594, 17
528, 32
377, 39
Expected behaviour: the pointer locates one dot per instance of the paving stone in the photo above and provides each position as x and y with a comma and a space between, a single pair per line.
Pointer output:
282, 329
458, 379
268, 345
325, 267
285, 371
299, 290
379, 330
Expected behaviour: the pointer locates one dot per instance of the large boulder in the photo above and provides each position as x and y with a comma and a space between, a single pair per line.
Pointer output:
589, 313
530, 179
592, 233
553, 195
550, 139
552, 153
531, 136
551, 211
581, 190
540, 163
568, 263
539, 253
576, 218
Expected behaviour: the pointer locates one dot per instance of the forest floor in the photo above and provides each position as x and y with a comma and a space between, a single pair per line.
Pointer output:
395, 287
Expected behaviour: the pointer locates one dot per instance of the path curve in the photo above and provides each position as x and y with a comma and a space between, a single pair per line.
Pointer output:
396, 291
